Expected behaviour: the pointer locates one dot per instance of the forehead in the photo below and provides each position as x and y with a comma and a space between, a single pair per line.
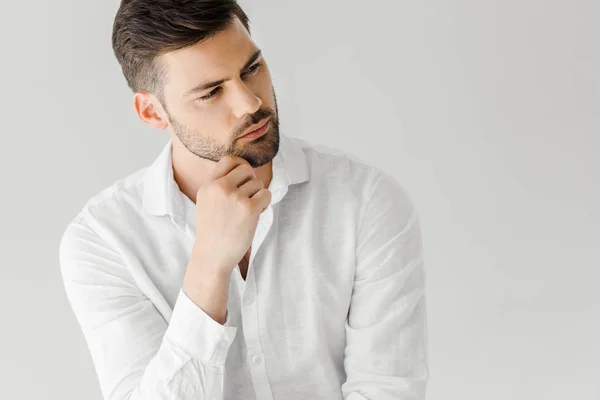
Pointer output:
220, 56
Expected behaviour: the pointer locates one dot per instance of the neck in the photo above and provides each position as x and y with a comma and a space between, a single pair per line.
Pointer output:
191, 172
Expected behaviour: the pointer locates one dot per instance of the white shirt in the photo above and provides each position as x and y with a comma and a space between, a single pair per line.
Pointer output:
333, 305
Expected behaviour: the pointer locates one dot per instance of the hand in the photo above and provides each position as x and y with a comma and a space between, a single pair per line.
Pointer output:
228, 208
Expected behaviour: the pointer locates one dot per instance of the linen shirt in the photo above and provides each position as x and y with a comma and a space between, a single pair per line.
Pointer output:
333, 305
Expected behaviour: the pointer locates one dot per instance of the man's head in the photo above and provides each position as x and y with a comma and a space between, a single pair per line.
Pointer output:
196, 72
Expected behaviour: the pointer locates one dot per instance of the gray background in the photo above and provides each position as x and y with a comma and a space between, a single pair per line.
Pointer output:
486, 111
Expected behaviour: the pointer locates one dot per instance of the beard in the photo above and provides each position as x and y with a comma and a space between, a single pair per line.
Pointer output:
257, 152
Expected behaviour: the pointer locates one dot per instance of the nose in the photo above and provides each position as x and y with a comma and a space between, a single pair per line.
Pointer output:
245, 101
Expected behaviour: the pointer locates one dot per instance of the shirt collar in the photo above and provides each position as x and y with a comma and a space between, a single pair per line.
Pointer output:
163, 197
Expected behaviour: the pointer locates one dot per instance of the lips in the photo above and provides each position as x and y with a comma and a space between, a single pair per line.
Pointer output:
255, 127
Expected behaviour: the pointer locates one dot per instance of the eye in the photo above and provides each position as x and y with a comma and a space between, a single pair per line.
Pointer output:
212, 94
253, 68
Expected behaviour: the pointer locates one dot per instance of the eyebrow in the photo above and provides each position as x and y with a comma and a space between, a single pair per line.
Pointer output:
203, 86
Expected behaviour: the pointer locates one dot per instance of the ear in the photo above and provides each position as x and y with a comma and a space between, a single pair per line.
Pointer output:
150, 111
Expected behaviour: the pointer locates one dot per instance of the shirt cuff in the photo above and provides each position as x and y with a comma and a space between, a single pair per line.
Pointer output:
197, 333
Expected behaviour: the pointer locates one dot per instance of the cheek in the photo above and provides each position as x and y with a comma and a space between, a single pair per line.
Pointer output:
207, 115
266, 90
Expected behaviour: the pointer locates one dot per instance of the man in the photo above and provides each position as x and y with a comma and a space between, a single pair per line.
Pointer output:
242, 264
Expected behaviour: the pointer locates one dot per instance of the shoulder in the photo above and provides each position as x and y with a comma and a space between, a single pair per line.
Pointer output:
378, 186
337, 164
108, 203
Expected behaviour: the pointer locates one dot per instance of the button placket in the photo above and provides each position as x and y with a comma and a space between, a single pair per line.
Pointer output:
255, 354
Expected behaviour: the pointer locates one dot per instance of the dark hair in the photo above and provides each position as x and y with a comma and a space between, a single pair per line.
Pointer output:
146, 29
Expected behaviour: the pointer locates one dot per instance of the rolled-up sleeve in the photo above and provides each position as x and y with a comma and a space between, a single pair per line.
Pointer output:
386, 354
136, 354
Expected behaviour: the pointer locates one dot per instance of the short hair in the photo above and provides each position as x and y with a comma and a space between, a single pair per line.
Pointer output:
143, 30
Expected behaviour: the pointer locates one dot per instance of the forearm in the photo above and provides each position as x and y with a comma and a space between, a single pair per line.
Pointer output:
207, 285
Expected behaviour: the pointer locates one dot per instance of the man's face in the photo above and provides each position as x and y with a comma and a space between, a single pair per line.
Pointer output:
209, 116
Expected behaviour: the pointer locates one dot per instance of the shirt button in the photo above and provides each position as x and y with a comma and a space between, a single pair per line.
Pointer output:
256, 359
249, 299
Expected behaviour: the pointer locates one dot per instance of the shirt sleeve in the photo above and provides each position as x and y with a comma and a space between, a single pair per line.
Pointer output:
136, 354
386, 330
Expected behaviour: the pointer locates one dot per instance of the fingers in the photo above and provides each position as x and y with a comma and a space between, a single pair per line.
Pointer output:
261, 199
225, 165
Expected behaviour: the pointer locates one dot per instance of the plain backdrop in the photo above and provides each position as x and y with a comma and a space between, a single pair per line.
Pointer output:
486, 111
